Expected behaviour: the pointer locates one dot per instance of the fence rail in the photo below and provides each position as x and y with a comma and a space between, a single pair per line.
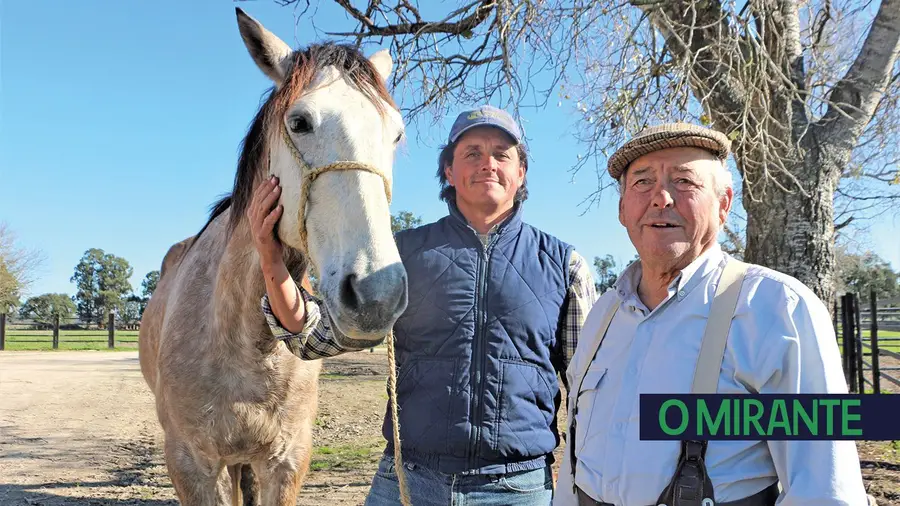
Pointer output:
19, 328
849, 321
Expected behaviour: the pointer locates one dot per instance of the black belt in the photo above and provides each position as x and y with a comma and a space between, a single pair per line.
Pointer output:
765, 497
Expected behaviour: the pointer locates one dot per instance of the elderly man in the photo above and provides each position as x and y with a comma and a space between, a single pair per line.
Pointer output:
645, 335
495, 309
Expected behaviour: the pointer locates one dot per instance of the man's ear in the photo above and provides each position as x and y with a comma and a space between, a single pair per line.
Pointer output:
448, 173
725, 202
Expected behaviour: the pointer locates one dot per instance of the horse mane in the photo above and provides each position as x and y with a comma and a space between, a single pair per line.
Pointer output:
349, 62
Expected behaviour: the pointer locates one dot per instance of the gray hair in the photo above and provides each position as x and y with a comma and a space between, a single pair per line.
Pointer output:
722, 179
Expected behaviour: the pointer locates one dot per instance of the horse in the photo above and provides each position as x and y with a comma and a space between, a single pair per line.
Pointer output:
235, 405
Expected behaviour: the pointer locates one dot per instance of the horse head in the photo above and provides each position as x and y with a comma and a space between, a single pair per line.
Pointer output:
329, 131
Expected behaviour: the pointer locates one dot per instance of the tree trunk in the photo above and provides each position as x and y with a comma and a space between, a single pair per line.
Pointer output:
793, 232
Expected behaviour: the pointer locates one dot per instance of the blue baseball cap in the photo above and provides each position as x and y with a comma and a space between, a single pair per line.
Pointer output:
485, 115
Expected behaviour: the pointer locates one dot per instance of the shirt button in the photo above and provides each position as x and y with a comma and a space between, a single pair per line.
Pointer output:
681, 293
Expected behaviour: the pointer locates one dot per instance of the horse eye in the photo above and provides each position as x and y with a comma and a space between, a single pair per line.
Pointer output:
299, 125
399, 138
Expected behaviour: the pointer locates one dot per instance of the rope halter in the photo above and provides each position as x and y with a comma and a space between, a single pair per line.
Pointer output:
309, 174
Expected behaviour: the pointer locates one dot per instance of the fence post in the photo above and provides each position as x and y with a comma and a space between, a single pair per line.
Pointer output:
859, 345
2, 331
111, 325
845, 356
56, 332
873, 336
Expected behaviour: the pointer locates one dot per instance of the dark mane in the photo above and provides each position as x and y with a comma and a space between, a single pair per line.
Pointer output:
254, 158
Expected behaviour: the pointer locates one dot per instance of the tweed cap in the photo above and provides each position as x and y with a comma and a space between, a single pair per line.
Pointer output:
668, 135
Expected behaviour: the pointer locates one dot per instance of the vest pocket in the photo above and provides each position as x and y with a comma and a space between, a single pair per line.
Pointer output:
522, 421
424, 387
586, 396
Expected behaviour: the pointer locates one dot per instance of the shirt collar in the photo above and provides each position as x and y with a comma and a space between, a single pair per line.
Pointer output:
686, 280
511, 222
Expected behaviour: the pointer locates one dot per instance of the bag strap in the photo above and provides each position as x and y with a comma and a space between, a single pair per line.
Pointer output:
712, 349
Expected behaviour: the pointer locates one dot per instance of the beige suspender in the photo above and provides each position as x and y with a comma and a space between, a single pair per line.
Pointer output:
712, 349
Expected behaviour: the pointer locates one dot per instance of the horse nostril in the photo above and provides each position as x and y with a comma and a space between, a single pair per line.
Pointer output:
349, 297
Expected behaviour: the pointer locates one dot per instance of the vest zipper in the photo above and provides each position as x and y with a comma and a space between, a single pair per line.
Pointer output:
477, 345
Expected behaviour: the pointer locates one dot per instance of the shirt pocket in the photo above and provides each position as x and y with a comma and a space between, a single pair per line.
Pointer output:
586, 400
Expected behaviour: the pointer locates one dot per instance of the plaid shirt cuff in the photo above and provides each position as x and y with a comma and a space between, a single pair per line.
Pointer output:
313, 316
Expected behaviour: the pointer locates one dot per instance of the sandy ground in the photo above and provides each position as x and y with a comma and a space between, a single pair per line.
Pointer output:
80, 428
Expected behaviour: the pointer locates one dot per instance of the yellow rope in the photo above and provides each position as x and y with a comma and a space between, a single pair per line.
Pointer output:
392, 388
310, 175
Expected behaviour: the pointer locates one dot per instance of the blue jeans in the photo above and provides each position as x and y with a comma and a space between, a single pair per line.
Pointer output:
431, 488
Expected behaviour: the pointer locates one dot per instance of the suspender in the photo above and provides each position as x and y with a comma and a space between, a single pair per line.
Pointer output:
712, 348
570, 437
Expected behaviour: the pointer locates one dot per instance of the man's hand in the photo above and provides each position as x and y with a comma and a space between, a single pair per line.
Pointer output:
262, 218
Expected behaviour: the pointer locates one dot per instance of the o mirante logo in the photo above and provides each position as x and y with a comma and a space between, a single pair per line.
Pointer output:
769, 416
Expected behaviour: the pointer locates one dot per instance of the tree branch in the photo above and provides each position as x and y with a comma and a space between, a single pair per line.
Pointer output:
855, 97
463, 26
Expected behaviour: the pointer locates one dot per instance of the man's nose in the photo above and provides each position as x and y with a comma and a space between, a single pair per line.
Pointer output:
662, 197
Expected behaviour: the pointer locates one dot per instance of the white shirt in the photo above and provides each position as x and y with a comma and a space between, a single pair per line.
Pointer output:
781, 341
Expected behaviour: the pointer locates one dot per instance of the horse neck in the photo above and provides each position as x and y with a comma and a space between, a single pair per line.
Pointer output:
238, 289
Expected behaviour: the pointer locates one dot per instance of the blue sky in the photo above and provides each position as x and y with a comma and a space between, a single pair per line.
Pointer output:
121, 124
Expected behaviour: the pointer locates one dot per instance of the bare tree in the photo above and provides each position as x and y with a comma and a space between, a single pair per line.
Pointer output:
808, 92
18, 267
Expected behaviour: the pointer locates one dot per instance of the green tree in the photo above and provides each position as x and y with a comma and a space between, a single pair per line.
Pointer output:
18, 267
132, 309
148, 285
9, 289
861, 272
102, 282
44, 307
606, 273
404, 220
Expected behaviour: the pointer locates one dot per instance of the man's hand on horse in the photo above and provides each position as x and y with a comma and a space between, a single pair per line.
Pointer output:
263, 217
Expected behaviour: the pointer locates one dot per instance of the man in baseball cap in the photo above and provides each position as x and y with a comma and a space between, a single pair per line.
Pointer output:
689, 318
495, 309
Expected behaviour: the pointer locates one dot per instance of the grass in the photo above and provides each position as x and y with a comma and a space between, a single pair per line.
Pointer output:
884, 345
70, 340
349, 456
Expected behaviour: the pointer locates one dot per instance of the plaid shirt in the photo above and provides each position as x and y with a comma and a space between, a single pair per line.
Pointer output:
320, 339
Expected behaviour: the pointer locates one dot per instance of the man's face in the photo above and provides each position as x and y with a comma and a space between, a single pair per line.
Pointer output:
486, 169
669, 205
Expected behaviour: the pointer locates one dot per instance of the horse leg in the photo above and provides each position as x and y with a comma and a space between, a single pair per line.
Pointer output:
197, 481
281, 480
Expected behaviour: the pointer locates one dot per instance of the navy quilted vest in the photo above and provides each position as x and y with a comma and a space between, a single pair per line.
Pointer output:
476, 346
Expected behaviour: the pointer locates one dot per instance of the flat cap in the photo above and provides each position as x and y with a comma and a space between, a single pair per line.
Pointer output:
668, 135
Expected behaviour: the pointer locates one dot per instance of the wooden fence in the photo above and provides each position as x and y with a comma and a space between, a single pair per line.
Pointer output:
77, 331
850, 320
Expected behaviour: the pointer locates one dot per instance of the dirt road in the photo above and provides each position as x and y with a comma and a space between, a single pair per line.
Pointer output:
79, 428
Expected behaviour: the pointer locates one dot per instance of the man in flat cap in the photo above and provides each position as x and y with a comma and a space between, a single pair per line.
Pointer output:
495, 310
689, 318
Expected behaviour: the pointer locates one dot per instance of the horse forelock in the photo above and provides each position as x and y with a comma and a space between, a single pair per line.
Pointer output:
267, 124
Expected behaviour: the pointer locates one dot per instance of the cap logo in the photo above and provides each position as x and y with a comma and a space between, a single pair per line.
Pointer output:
481, 114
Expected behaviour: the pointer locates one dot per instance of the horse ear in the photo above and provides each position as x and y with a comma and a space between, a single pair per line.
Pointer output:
383, 63
270, 53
